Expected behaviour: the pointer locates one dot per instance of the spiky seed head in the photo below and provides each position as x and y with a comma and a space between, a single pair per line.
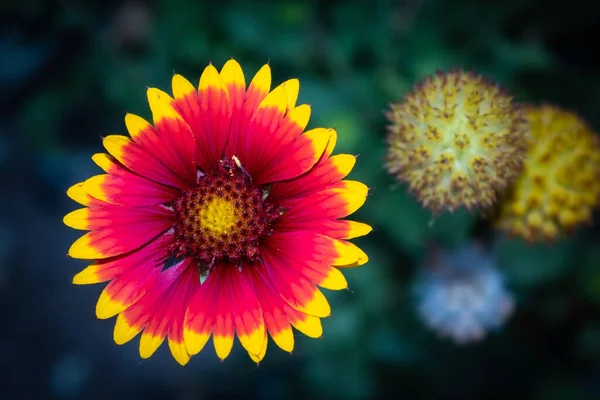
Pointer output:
560, 182
457, 139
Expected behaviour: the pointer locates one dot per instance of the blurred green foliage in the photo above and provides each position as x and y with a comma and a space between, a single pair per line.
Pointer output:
75, 67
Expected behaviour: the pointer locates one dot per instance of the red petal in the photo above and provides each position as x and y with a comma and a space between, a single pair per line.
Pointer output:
239, 140
324, 175
117, 230
311, 255
144, 161
151, 255
248, 318
208, 112
126, 290
296, 158
129, 190
161, 312
297, 290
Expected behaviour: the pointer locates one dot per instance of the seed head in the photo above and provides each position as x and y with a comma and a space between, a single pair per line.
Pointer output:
560, 183
457, 139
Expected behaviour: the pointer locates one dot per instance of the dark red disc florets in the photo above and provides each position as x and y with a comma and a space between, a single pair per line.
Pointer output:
223, 218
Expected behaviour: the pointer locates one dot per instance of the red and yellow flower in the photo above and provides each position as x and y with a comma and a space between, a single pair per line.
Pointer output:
220, 218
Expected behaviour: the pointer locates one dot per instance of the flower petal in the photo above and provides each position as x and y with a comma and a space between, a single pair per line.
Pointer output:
312, 255
340, 229
337, 202
263, 124
142, 161
298, 157
233, 78
129, 190
118, 230
151, 255
208, 112
223, 321
239, 143
278, 314
79, 195
292, 89
174, 145
257, 358
268, 146
161, 311
248, 318
273, 308
234, 307
311, 220
123, 186
362, 256
125, 290
326, 173
295, 288
200, 315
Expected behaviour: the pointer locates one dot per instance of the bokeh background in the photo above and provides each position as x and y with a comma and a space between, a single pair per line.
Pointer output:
69, 72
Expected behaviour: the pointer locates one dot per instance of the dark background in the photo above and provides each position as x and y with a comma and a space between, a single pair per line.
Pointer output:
69, 72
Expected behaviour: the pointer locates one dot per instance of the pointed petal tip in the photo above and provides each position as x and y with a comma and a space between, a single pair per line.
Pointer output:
94, 186
77, 219
232, 74
106, 307
161, 105
194, 342
310, 326
82, 249
334, 280
181, 87
284, 339
257, 358
123, 332
318, 306
223, 345
292, 89
79, 195
210, 78
179, 352
82, 278
135, 124
149, 343
104, 161
254, 341
262, 80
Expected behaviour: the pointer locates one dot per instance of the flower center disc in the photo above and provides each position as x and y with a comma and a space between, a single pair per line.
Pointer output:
219, 216
223, 218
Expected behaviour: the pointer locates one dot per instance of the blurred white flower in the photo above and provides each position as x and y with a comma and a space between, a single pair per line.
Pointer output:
462, 295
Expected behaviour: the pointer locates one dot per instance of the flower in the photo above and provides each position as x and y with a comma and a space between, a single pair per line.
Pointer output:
462, 295
560, 184
457, 139
219, 219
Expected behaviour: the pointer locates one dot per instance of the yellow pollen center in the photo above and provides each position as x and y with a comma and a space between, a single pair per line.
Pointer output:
218, 216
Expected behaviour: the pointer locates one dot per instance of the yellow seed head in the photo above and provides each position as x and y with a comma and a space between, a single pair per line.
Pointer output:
457, 139
560, 182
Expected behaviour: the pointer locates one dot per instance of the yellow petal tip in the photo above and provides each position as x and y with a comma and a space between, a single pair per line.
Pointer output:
135, 125
179, 352
194, 342
223, 346
123, 332
253, 342
83, 250
87, 277
77, 219
107, 307
149, 344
